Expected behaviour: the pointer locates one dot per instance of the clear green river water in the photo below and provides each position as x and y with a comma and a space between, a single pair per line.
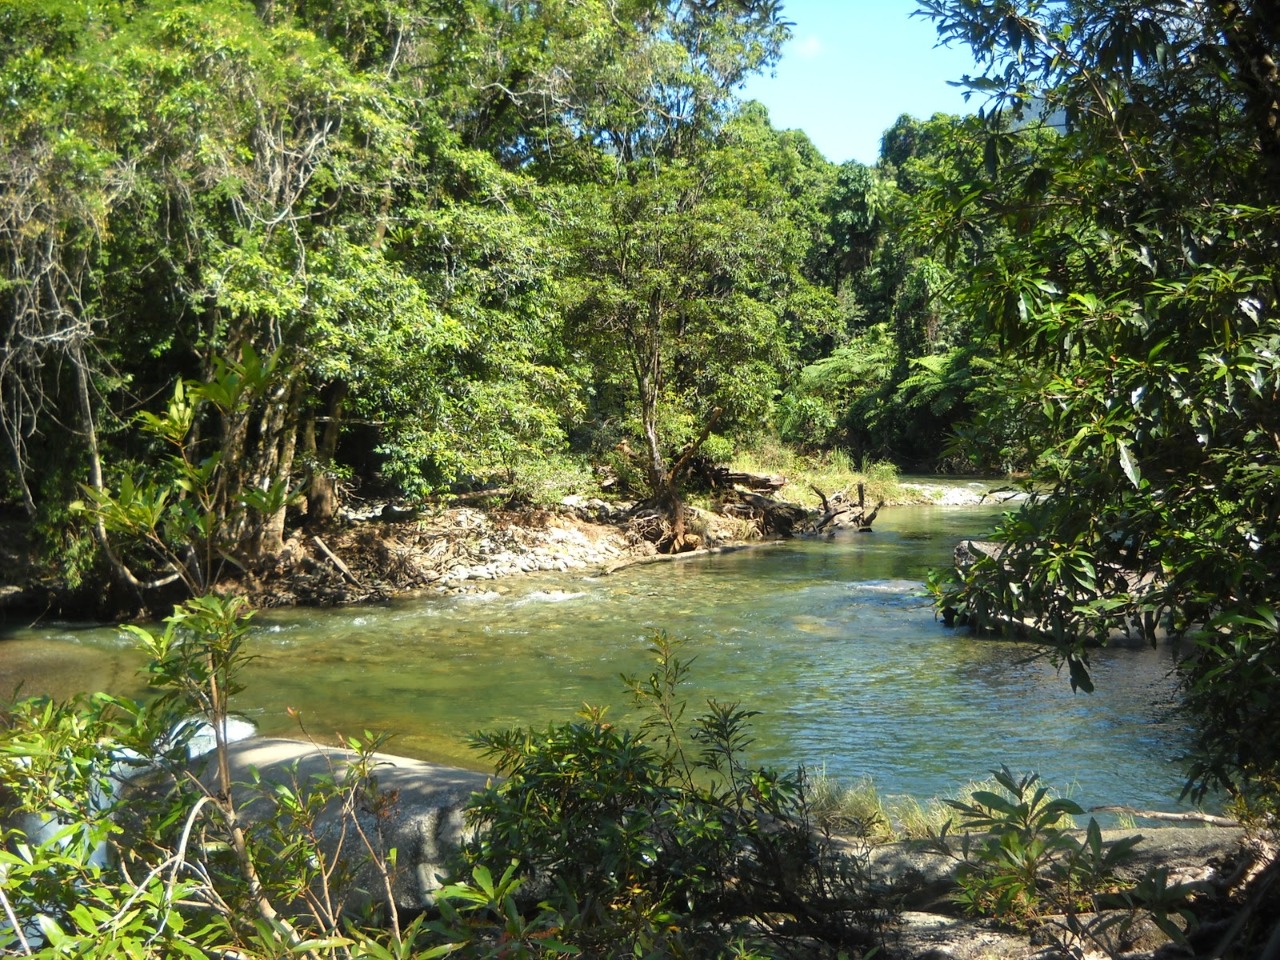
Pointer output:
831, 640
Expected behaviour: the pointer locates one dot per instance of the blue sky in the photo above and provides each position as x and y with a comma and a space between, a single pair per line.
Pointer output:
853, 67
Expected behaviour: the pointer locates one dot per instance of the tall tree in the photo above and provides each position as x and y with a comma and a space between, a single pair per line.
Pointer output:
670, 241
184, 185
894, 379
207, 150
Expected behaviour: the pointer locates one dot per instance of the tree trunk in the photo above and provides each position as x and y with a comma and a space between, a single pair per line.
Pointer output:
271, 537
277, 442
1245, 29
193, 578
663, 488
322, 488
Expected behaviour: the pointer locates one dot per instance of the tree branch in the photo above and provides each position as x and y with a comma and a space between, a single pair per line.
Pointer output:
690, 449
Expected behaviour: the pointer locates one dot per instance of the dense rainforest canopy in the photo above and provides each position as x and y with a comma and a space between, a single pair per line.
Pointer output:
392, 249
255, 255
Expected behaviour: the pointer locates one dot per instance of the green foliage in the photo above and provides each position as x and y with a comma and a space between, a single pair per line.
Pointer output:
1024, 836
852, 385
895, 374
482, 918
1131, 285
377, 197
61, 765
111, 845
865, 396
1023, 864
682, 299
547, 481
231, 180
59, 532
190, 516
661, 839
197, 658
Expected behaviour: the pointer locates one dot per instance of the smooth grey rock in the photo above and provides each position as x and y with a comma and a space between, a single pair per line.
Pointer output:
923, 877
422, 819
926, 877
1212, 857
930, 936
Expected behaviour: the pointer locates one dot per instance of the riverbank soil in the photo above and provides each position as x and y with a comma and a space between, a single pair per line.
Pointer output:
450, 551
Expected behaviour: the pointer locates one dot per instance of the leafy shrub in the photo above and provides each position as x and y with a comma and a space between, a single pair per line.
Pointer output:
1005, 872
661, 840
548, 480
1022, 864
111, 848
61, 885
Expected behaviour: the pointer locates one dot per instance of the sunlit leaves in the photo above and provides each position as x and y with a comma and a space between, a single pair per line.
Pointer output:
1140, 275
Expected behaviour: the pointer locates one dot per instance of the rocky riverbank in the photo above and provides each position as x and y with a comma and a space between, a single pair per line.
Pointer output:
380, 551
447, 552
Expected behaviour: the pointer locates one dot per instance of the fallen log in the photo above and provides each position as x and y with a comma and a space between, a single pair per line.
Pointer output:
838, 507
775, 516
717, 477
1181, 817
829, 513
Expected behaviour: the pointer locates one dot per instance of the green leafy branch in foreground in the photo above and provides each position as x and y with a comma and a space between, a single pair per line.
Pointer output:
115, 844
188, 519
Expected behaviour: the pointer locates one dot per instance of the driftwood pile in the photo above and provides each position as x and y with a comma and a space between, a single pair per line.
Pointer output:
647, 525
782, 519
753, 515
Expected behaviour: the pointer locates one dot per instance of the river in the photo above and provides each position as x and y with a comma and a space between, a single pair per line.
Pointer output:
831, 640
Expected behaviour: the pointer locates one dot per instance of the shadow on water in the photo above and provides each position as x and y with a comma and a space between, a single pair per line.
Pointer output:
833, 641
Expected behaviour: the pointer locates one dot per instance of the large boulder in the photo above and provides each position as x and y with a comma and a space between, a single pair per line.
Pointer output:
933, 926
420, 813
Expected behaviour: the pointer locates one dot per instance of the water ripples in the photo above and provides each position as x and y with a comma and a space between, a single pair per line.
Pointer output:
832, 641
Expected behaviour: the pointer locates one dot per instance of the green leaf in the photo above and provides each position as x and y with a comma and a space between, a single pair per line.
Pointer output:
1080, 679
1129, 465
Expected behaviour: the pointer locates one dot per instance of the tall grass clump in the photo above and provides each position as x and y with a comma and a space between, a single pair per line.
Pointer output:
859, 809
